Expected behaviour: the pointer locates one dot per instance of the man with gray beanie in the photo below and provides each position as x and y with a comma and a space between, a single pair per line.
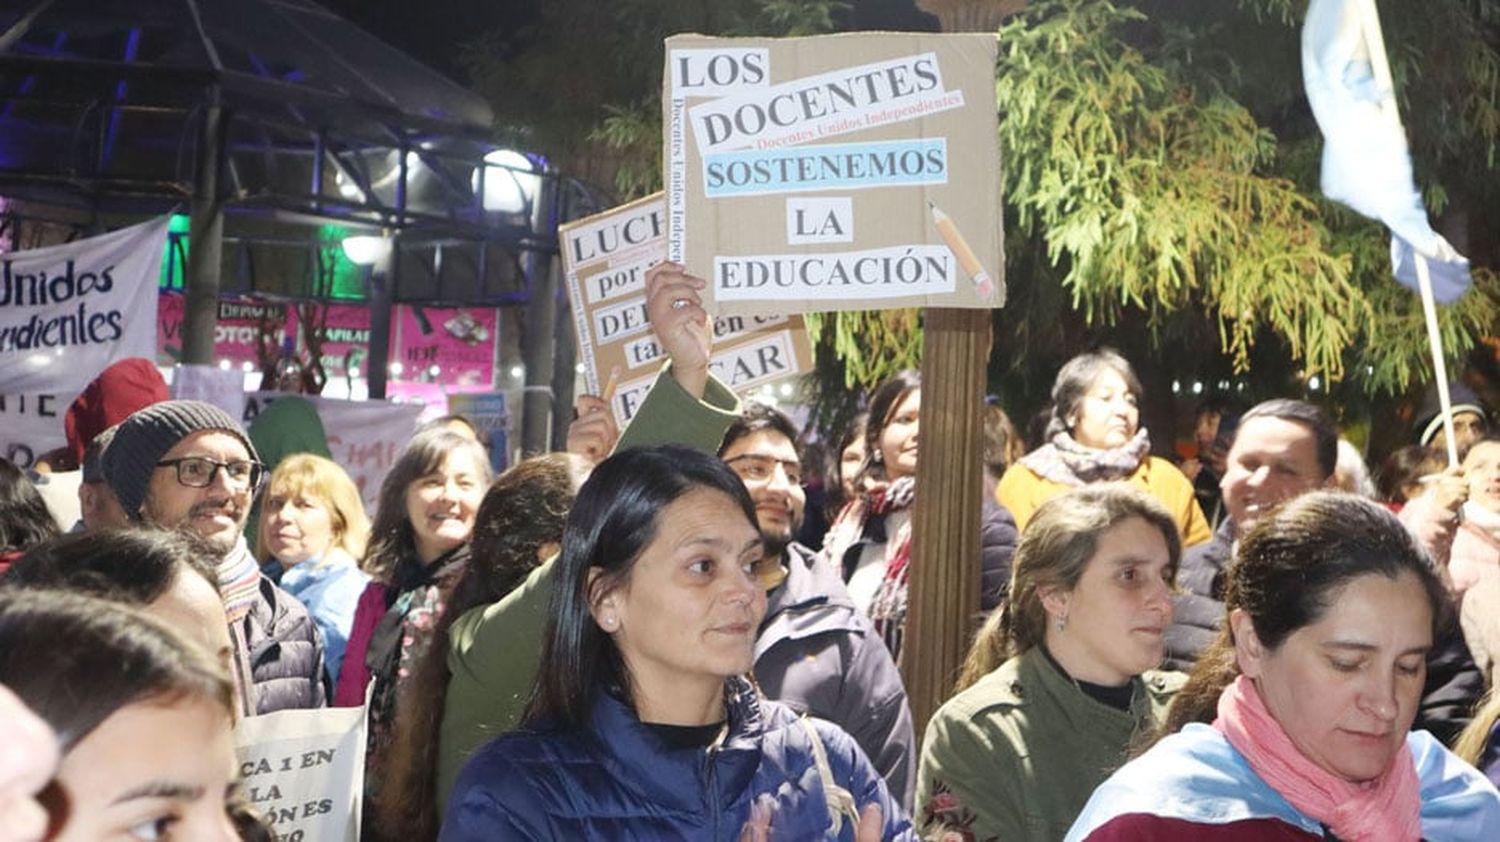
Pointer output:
189, 465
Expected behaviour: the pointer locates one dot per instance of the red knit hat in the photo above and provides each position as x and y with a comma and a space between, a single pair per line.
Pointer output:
128, 385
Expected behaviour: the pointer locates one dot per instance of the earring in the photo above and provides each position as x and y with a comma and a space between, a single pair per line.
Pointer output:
608, 622
1062, 623
876, 457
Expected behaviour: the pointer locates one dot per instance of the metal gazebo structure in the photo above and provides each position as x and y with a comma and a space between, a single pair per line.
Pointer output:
270, 121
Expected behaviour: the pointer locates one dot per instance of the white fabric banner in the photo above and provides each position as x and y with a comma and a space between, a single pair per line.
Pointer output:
210, 384
365, 437
67, 312
31, 425
304, 771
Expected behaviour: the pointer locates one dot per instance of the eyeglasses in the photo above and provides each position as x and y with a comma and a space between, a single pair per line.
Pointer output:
754, 467
199, 471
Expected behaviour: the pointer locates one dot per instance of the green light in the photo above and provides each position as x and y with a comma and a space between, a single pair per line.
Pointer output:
174, 259
346, 279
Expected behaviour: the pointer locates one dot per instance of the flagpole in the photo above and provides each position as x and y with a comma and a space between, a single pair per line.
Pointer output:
1439, 367
1380, 67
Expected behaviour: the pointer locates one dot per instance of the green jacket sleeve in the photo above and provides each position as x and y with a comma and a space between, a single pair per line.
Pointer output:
494, 652
670, 415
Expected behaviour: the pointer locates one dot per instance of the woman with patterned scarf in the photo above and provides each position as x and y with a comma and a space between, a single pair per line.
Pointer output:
1095, 435
871, 538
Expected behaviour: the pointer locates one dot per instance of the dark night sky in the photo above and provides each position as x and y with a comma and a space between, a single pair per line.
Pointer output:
434, 30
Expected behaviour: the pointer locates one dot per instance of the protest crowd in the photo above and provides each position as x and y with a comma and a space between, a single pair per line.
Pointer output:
642, 638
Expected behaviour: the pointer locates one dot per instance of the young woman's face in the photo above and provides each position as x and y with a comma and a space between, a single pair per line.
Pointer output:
1482, 470
1107, 416
151, 772
1345, 688
1114, 618
690, 611
898, 441
297, 525
441, 505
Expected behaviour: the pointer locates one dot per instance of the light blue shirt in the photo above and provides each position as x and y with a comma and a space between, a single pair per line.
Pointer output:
330, 588
1197, 776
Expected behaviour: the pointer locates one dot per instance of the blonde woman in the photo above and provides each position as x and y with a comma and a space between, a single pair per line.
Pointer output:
1479, 743
313, 530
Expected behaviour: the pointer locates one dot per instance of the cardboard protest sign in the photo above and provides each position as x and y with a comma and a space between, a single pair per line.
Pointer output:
605, 258
304, 770
365, 437
67, 312
840, 172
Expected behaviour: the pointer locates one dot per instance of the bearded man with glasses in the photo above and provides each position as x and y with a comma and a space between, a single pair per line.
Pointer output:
189, 465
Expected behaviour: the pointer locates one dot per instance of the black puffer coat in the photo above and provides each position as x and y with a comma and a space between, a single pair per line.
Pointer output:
286, 652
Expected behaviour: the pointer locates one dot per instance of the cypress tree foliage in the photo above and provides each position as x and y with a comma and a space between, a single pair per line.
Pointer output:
1133, 161
1160, 175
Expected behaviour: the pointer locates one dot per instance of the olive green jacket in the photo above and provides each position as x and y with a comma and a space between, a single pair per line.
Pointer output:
496, 649
1017, 755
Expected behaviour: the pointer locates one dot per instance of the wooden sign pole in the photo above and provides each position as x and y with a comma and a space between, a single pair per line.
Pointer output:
943, 593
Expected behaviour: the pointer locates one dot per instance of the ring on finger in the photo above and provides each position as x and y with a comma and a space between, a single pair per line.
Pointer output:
679, 303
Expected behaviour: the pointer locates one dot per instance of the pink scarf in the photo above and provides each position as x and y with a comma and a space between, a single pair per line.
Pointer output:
1388, 808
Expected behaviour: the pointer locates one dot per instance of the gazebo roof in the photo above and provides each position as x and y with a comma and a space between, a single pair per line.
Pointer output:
103, 106
287, 57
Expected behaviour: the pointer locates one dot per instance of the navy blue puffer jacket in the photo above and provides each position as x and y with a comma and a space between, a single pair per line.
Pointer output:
617, 781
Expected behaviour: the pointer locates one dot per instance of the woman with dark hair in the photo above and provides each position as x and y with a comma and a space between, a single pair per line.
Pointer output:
24, 518
1311, 688
1399, 479
1060, 680
644, 726
847, 462
165, 574
1094, 434
142, 719
870, 541
519, 525
419, 546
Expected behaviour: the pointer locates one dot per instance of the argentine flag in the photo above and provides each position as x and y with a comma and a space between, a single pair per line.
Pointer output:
1366, 161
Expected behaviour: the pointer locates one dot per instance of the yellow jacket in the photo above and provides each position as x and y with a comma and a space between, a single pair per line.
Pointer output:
1022, 491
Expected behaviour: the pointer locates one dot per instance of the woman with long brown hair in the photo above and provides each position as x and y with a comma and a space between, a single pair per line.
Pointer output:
1062, 676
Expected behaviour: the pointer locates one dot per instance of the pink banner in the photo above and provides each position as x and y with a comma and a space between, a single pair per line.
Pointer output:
452, 346
235, 338
346, 342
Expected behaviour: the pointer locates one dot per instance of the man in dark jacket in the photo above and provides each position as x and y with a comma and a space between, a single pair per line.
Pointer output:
189, 465
816, 653
1285, 448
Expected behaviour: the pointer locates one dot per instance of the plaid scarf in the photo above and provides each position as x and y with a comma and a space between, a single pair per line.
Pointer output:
1066, 461
888, 609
